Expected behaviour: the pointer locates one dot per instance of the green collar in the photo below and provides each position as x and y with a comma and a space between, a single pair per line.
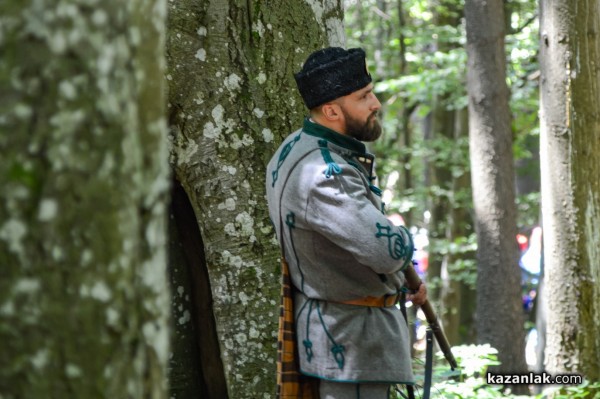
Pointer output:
314, 129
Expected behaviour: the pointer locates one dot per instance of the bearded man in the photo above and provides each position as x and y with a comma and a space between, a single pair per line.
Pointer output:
345, 258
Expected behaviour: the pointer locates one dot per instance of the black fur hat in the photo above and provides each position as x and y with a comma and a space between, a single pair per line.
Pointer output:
331, 73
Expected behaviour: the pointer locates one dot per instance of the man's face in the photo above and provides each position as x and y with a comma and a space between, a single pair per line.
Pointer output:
360, 114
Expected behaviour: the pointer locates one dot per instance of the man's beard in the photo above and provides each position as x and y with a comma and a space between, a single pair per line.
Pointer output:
370, 130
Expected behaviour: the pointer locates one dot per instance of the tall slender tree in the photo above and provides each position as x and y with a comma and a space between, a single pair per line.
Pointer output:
83, 189
232, 100
499, 311
442, 224
570, 163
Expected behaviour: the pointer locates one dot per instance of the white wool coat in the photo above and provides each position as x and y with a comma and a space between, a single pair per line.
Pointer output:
340, 246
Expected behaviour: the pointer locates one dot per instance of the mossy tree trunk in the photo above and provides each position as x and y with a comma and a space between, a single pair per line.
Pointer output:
83, 180
570, 163
499, 311
232, 100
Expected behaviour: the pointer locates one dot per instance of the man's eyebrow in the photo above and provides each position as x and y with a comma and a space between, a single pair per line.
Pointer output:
366, 91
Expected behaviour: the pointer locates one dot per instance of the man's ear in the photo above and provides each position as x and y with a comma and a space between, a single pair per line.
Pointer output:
331, 111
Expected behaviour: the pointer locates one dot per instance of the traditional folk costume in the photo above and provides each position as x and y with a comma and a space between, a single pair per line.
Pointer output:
345, 257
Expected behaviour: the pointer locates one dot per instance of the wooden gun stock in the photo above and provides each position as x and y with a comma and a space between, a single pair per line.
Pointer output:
413, 282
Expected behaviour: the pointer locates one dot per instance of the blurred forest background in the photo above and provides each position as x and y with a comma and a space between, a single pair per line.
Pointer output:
136, 254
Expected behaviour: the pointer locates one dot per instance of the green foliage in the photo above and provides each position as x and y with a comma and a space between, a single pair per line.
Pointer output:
467, 382
421, 63
470, 380
585, 390
417, 56
463, 267
528, 206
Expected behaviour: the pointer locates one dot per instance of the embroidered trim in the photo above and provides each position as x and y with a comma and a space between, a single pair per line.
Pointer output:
344, 141
376, 190
337, 350
290, 221
356, 165
285, 151
307, 342
332, 167
400, 246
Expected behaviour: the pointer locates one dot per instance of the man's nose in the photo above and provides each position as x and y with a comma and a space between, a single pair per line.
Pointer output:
376, 104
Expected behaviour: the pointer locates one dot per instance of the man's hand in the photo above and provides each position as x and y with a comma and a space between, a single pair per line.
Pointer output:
419, 297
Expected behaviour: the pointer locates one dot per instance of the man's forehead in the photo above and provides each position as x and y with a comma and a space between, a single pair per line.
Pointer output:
356, 93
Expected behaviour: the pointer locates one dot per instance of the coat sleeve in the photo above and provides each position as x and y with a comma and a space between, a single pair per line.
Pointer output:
339, 208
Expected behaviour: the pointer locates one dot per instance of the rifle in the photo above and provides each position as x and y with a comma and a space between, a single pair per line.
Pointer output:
413, 281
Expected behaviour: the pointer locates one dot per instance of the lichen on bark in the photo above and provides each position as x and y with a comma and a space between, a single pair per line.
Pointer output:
232, 100
83, 299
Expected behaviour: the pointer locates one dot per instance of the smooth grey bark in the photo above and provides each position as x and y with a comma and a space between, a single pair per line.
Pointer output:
84, 303
570, 164
232, 100
499, 310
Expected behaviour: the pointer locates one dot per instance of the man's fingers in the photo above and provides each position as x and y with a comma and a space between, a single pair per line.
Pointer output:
419, 297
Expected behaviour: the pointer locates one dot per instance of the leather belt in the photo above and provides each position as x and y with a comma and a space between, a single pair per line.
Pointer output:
385, 301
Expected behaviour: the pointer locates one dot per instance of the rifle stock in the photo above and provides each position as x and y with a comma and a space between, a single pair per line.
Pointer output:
413, 282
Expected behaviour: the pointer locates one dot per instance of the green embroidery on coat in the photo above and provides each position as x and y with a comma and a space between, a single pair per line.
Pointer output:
290, 221
397, 246
376, 190
307, 342
336, 349
332, 167
356, 165
285, 151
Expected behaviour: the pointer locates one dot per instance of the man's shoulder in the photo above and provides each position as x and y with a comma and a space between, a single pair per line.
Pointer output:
295, 148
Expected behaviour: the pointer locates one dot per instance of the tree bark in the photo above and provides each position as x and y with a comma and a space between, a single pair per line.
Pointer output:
570, 163
195, 365
232, 100
442, 127
84, 302
457, 308
450, 219
499, 310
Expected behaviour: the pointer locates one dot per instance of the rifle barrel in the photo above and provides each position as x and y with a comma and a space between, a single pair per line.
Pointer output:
413, 280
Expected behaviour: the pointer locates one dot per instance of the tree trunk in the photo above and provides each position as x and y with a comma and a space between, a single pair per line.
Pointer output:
442, 128
84, 302
570, 163
232, 100
499, 310
449, 218
457, 308
185, 376
195, 365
